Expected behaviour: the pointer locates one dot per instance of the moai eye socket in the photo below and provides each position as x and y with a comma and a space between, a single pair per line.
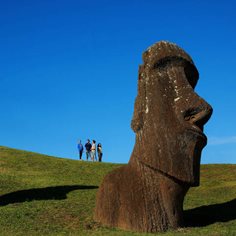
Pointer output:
191, 74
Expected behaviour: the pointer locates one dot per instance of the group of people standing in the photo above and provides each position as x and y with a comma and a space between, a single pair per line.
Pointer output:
91, 150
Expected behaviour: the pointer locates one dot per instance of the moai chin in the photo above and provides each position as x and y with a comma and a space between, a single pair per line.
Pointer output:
147, 194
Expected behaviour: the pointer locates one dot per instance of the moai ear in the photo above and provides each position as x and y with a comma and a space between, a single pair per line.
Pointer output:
138, 115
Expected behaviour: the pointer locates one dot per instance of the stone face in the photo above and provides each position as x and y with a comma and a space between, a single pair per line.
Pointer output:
147, 194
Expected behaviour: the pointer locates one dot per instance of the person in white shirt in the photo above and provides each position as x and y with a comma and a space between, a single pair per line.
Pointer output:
93, 151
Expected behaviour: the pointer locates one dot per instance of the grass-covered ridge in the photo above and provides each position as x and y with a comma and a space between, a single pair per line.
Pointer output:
43, 195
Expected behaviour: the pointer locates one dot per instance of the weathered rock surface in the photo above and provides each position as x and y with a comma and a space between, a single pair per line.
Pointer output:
147, 194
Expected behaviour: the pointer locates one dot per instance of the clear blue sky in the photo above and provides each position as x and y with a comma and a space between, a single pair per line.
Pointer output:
68, 70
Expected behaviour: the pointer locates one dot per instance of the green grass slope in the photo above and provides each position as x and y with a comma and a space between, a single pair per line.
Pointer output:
43, 195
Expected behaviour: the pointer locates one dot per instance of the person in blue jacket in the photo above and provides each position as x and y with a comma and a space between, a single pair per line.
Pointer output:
80, 149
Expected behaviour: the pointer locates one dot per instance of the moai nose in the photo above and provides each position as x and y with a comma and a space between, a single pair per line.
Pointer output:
199, 113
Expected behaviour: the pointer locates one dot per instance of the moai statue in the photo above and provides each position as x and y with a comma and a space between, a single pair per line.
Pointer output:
147, 194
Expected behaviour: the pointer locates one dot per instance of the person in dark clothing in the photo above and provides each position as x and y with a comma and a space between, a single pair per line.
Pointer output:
80, 149
88, 147
99, 150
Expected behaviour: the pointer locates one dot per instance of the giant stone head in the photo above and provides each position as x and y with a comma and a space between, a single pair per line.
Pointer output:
169, 115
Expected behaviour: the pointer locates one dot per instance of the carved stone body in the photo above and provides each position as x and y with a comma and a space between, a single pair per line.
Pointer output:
147, 195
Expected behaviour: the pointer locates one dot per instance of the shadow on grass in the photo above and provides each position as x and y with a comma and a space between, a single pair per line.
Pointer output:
206, 215
48, 193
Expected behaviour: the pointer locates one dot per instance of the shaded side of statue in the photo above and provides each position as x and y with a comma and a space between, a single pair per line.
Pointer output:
147, 194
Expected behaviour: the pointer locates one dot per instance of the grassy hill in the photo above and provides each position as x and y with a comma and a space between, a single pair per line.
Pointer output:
43, 195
